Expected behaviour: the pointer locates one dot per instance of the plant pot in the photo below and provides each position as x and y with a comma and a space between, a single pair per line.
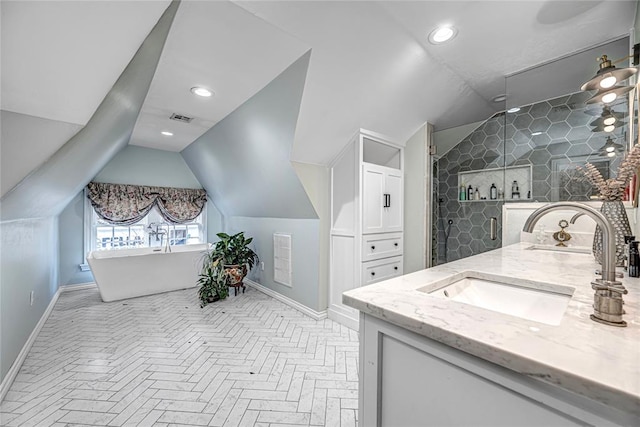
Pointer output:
235, 274
213, 299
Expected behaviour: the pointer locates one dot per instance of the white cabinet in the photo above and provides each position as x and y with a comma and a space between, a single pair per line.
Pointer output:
385, 245
366, 218
381, 199
382, 269
410, 380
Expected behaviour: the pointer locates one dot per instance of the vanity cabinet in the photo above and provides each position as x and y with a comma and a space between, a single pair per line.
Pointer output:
409, 380
366, 218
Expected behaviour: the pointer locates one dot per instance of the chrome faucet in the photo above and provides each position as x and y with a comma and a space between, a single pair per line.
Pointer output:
167, 245
608, 301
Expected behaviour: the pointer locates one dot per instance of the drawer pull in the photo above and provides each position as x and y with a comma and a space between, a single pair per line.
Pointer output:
395, 244
373, 248
395, 268
373, 273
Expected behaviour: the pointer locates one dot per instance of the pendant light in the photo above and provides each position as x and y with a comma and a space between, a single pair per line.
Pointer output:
608, 75
608, 121
607, 96
610, 148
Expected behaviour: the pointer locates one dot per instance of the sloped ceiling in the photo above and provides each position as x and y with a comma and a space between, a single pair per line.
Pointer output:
216, 45
60, 58
371, 66
48, 189
243, 161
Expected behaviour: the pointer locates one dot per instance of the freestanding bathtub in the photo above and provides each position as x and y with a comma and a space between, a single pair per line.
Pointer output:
128, 273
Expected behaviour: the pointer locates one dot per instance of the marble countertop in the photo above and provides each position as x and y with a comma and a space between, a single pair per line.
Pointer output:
595, 360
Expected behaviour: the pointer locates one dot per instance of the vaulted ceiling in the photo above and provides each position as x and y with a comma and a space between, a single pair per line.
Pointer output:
371, 65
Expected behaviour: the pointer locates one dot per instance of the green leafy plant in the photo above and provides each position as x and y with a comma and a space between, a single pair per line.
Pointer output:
213, 280
235, 250
216, 275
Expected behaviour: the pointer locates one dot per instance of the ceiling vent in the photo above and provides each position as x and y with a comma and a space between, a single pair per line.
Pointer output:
181, 118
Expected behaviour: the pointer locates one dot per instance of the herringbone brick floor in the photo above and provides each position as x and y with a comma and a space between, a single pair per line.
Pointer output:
162, 360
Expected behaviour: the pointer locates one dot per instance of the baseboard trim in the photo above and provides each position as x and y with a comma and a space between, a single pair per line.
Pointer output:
77, 287
17, 364
316, 315
343, 319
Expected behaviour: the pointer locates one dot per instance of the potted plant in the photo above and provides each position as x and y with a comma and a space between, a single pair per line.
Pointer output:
236, 257
213, 280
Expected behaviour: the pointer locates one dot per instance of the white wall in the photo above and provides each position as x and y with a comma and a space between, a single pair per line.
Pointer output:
317, 183
147, 166
28, 262
27, 142
304, 252
415, 200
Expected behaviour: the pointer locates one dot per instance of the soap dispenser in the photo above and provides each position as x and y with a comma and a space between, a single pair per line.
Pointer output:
470, 192
493, 192
463, 192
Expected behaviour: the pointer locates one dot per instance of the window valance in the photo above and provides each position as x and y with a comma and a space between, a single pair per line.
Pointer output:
123, 204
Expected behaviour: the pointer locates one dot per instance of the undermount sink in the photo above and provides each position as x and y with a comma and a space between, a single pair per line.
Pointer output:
574, 249
537, 301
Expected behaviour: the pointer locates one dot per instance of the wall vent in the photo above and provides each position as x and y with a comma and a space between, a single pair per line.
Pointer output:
181, 118
282, 259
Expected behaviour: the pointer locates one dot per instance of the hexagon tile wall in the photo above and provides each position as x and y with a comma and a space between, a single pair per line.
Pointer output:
552, 136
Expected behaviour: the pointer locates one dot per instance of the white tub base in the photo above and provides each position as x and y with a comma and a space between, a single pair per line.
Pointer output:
129, 273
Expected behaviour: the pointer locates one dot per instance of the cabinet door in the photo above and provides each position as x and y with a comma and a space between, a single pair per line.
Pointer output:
373, 178
393, 214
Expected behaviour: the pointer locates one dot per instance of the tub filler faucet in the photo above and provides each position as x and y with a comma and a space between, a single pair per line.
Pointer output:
607, 301
167, 243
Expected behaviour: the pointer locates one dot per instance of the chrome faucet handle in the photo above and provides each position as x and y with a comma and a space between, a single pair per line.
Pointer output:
618, 274
611, 287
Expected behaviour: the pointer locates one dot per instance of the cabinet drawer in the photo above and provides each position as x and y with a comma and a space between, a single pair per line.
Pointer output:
375, 271
377, 246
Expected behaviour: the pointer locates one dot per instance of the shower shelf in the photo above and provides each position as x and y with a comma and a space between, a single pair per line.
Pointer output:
499, 200
483, 178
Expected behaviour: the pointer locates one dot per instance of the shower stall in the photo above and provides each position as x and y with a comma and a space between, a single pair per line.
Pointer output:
530, 151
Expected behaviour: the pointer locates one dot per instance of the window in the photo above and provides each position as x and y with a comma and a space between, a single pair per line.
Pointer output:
151, 231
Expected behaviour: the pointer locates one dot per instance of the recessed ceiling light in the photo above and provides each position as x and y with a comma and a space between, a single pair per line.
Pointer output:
513, 110
166, 133
609, 128
609, 120
201, 91
499, 98
536, 133
610, 97
442, 34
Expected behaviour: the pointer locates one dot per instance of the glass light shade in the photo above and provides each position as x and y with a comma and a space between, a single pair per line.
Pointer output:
609, 120
609, 95
611, 154
608, 81
610, 149
609, 128
608, 75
